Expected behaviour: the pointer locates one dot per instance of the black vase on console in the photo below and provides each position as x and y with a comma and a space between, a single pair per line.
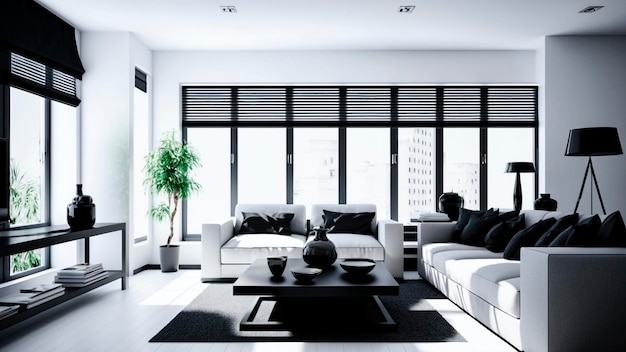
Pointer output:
81, 212
320, 252
544, 202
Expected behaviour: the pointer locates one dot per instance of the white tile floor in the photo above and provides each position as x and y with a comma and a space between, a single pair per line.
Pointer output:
109, 319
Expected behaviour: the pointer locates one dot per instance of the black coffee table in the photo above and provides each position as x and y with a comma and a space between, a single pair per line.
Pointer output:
336, 298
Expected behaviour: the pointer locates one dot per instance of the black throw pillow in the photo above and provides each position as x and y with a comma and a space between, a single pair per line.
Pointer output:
582, 234
360, 223
474, 233
507, 216
526, 238
329, 218
263, 223
561, 224
500, 235
612, 232
281, 223
255, 223
464, 217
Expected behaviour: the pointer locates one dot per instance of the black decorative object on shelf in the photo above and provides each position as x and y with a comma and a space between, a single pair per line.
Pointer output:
81, 212
450, 203
320, 252
518, 167
544, 202
277, 265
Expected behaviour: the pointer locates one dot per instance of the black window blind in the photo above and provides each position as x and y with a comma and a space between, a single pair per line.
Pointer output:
141, 80
393, 106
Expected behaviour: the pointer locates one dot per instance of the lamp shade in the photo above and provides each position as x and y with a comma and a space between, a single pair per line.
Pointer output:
520, 166
593, 141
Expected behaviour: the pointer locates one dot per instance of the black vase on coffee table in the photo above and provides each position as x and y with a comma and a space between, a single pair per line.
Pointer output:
320, 252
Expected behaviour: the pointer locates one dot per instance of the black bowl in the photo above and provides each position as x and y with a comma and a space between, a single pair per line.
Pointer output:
358, 266
305, 274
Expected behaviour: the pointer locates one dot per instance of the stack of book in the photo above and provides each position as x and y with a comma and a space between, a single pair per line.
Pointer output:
32, 296
80, 275
434, 217
7, 311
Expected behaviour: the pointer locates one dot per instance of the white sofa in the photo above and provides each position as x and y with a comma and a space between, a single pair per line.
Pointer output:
226, 253
553, 299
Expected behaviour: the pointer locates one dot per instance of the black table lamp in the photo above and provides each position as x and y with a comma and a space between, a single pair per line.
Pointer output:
518, 167
590, 142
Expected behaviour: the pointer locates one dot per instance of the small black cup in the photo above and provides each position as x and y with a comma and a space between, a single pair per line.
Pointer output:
277, 265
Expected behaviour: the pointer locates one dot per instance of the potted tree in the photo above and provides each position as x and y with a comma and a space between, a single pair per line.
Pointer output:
168, 170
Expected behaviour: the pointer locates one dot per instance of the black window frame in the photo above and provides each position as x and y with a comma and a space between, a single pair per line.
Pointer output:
492, 106
5, 118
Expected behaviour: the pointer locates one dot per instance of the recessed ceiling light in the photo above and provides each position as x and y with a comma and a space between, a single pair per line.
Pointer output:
590, 9
228, 9
406, 9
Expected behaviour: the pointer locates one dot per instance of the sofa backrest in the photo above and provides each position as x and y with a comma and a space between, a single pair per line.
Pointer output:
317, 210
534, 216
298, 224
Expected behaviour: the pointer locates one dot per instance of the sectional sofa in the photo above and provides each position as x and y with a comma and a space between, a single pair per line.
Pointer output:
560, 297
230, 245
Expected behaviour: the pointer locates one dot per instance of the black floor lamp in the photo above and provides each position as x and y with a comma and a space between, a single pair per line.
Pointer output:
594, 141
518, 167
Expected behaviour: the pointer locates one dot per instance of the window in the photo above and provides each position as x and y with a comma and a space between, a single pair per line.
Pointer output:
28, 173
261, 162
507, 145
213, 199
315, 166
141, 145
399, 147
461, 164
33, 74
416, 172
367, 168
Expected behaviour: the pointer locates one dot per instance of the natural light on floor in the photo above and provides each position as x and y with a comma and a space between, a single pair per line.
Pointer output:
180, 292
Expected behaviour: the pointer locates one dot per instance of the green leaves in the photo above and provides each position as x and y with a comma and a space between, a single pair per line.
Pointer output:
168, 171
25, 261
24, 197
160, 212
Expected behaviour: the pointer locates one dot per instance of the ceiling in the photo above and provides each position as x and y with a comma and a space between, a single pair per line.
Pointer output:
343, 24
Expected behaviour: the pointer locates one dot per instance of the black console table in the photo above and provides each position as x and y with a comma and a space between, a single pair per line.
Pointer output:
17, 241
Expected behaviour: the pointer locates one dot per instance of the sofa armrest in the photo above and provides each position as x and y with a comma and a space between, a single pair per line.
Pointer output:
431, 232
391, 236
214, 235
572, 299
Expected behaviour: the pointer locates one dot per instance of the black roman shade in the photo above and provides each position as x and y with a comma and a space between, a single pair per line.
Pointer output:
38, 51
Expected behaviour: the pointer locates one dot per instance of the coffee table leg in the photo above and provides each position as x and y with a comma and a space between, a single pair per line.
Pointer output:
248, 322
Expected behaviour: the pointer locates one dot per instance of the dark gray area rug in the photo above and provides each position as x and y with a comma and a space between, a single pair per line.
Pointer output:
214, 316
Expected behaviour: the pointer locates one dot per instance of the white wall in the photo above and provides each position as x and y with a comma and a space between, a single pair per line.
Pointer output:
174, 68
109, 59
585, 86
140, 57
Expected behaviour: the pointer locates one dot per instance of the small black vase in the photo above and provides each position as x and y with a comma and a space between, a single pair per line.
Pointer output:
544, 202
450, 203
320, 252
81, 212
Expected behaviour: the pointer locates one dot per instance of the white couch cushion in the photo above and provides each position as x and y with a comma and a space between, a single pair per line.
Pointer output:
356, 246
437, 254
497, 281
244, 249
